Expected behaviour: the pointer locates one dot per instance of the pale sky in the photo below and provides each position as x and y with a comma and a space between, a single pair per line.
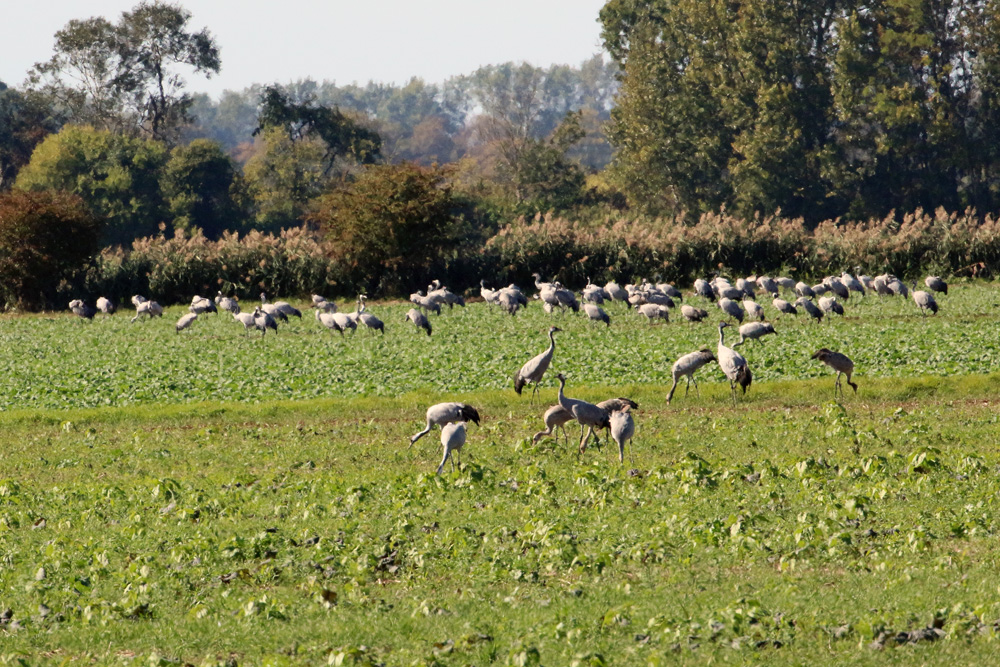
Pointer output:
266, 41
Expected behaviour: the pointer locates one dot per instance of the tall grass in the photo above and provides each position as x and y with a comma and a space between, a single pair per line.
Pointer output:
298, 262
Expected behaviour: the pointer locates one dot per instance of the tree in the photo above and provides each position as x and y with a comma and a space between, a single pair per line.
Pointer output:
283, 176
24, 122
203, 189
44, 238
544, 178
122, 76
392, 226
117, 177
822, 109
342, 136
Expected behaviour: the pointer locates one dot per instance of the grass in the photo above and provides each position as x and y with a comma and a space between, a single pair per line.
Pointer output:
300, 530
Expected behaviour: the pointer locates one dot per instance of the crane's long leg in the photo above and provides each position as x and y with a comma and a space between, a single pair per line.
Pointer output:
670, 394
445, 459
533, 390
696, 390
421, 434
631, 451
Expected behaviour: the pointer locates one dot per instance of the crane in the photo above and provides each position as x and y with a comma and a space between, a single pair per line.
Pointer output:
840, 363
687, 366
733, 365
588, 415
534, 369
441, 414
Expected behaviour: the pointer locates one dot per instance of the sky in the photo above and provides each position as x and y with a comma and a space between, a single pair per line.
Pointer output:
268, 41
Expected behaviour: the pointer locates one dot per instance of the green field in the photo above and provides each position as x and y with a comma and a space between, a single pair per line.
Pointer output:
208, 497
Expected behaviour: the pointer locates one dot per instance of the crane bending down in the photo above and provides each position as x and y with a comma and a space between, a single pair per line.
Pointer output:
840, 363
588, 415
687, 366
555, 418
452, 437
443, 414
534, 369
733, 365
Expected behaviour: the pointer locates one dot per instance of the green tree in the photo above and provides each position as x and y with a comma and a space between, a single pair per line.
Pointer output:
44, 238
342, 136
544, 178
118, 178
24, 122
393, 225
204, 189
123, 76
282, 176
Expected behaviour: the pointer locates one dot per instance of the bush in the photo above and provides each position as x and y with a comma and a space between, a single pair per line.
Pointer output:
44, 238
393, 227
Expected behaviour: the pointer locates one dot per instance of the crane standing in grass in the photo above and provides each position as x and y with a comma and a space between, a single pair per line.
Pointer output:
687, 366
453, 438
442, 414
588, 415
418, 319
622, 430
534, 369
840, 363
733, 365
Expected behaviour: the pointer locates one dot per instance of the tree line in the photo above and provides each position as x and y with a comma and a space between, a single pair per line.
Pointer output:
834, 108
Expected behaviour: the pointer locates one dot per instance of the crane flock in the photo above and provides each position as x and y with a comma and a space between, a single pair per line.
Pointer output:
737, 302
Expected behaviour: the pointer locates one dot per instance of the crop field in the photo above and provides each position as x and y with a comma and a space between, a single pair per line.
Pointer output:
209, 498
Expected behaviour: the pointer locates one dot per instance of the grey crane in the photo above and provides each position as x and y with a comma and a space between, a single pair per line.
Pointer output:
820, 288
442, 294
226, 303
418, 319
925, 300
802, 289
733, 365
615, 291
811, 309
881, 285
692, 314
746, 287
837, 287
754, 331
271, 309
282, 307
247, 320
442, 414
534, 369
452, 438
144, 307
555, 418
783, 306
587, 415
622, 430
830, 305
785, 283
897, 287
852, 283
106, 306
200, 304
366, 318
703, 289
840, 363
427, 303
80, 309
596, 313
490, 296
767, 285
510, 302
755, 311
731, 308
263, 321
185, 321
654, 312
936, 284
687, 366
595, 293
